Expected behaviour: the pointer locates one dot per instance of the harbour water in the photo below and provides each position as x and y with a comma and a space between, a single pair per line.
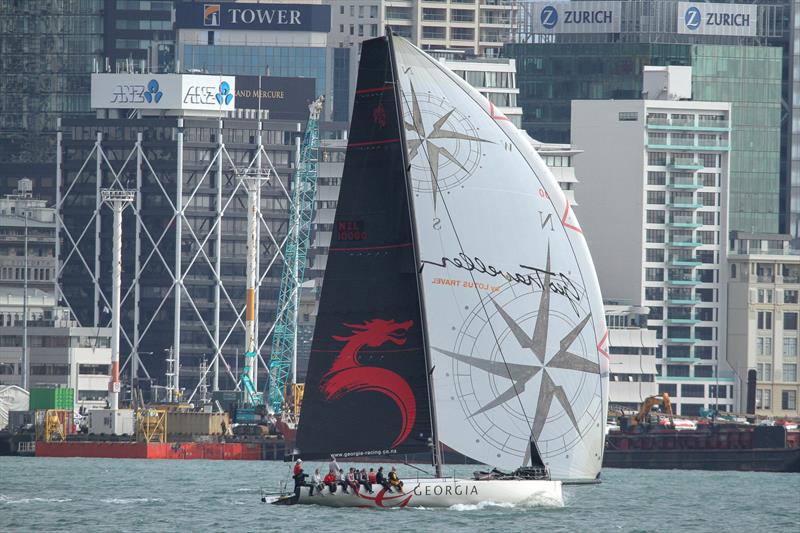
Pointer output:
43, 494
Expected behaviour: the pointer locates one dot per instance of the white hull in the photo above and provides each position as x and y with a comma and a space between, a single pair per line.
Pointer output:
445, 492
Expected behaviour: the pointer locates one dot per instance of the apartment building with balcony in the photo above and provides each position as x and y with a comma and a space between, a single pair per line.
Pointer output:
632, 353
470, 27
659, 172
763, 320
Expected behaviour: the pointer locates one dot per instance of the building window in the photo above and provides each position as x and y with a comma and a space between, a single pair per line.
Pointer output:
462, 34
790, 347
625, 116
765, 296
431, 32
656, 198
765, 320
789, 372
705, 237
704, 371
763, 399
656, 177
654, 274
668, 388
693, 391
720, 391
790, 321
764, 372
654, 293
710, 160
655, 235
679, 371
657, 158
764, 346
790, 296
654, 255
789, 400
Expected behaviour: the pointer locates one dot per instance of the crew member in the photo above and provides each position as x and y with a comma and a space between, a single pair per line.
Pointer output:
316, 480
394, 481
363, 479
300, 480
343, 480
352, 480
330, 481
381, 479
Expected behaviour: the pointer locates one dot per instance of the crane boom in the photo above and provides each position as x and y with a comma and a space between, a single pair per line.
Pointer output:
283, 359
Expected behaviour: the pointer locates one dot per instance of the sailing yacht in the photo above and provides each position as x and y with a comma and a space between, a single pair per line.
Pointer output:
460, 305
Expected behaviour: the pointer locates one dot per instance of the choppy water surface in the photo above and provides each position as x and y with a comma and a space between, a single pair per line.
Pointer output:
42, 494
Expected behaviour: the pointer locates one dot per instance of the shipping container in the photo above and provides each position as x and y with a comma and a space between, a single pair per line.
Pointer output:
52, 398
185, 424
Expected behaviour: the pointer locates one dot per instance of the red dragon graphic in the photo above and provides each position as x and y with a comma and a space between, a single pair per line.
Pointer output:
347, 375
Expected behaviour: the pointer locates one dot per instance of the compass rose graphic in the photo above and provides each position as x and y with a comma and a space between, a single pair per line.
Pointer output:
439, 145
521, 374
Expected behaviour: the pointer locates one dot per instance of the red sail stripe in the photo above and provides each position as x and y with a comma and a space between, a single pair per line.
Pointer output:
369, 248
370, 143
375, 90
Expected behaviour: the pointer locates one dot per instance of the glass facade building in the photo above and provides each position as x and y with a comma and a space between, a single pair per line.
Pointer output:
552, 70
288, 61
47, 50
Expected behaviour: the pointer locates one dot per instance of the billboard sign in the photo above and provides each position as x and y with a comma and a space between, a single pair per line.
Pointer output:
284, 98
164, 92
700, 18
576, 17
252, 16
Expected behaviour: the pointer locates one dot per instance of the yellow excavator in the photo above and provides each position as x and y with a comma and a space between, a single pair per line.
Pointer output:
650, 402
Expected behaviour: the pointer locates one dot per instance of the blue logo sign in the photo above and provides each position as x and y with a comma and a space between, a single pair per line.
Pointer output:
152, 94
692, 18
224, 96
549, 17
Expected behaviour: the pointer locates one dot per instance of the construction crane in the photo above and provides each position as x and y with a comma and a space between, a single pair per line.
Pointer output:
283, 358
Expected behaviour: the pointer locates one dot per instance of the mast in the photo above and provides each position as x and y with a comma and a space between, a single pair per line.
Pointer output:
437, 455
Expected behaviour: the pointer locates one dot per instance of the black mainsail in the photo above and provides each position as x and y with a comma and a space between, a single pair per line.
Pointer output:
367, 387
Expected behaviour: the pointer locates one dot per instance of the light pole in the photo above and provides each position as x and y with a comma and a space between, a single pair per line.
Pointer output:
25, 362
117, 200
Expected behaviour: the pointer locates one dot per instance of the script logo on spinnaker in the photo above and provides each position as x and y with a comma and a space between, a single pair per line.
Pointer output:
549, 17
692, 18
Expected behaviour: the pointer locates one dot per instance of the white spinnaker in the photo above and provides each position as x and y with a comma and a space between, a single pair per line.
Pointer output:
488, 214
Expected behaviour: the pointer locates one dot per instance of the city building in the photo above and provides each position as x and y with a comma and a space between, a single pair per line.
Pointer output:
18, 211
284, 39
659, 240
478, 26
471, 28
763, 288
632, 353
791, 89
139, 35
558, 62
184, 240
493, 78
59, 352
558, 157
48, 48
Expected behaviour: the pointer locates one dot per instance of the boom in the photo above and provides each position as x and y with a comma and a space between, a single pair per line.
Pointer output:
284, 335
